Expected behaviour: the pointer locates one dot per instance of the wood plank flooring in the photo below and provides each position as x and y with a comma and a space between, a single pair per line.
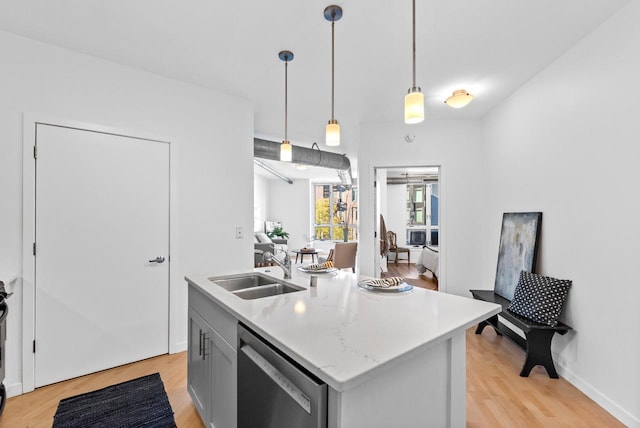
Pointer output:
496, 395
36, 409
411, 275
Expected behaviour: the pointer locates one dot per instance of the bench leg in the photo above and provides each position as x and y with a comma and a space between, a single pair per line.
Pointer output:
493, 321
481, 326
539, 352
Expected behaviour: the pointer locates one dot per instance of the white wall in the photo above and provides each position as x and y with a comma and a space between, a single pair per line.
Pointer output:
201, 124
567, 144
396, 219
454, 145
260, 201
291, 204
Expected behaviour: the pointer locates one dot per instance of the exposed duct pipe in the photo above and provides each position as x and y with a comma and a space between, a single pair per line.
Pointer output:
301, 155
417, 179
272, 171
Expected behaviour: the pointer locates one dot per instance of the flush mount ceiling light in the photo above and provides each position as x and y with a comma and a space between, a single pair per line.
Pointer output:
414, 100
333, 14
459, 99
285, 147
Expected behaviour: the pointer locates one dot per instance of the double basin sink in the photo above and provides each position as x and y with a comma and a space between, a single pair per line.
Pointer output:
254, 285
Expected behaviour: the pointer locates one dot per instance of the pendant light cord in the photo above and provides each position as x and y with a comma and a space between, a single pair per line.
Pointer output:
333, 24
414, 43
286, 64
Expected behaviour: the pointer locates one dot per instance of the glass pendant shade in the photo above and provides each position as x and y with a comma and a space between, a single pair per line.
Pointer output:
285, 151
333, 133
414, 106
459, 99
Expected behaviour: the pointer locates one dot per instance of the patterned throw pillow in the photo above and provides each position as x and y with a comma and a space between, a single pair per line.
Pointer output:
539, 298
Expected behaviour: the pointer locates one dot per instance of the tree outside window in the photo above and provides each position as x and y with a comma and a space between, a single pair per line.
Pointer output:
336, 212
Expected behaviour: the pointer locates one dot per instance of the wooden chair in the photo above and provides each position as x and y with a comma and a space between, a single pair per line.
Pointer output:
344, 255
393, 246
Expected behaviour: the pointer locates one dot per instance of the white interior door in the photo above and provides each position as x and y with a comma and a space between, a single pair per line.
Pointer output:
102, 213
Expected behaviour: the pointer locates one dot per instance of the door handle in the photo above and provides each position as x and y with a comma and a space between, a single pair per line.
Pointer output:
157, 260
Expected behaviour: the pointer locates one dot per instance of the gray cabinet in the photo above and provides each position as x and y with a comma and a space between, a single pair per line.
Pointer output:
223, 378
198, 373
212, 359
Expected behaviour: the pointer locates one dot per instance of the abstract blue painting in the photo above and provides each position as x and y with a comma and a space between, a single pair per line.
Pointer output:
518, 250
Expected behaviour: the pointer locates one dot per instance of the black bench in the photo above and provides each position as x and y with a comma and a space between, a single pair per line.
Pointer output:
538, 336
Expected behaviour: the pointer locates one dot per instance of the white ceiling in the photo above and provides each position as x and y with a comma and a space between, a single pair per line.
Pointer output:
488, 47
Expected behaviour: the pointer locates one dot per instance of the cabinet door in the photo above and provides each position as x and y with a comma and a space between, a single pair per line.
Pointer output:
198, 373
223, 360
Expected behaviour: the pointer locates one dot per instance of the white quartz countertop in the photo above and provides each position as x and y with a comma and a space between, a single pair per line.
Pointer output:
345, 334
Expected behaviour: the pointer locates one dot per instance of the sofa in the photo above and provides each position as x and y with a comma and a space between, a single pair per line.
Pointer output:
263, 243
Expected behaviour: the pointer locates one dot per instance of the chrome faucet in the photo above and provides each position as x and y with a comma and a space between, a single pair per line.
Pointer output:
285, 265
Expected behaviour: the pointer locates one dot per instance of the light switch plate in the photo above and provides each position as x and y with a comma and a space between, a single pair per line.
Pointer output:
239, 232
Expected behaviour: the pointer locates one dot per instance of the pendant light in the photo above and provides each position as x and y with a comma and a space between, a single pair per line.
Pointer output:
285, 147
333, 14
414, 100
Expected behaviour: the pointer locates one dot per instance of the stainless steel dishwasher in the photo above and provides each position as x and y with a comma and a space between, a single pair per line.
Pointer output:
273, 390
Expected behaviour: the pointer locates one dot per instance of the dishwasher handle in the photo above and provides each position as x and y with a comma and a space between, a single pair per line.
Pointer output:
278, 378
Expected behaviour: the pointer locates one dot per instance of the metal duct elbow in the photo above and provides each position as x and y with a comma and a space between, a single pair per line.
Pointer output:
345, 177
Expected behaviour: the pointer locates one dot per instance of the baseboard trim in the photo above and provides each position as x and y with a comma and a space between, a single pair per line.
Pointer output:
601, 399
14, 389
178, 347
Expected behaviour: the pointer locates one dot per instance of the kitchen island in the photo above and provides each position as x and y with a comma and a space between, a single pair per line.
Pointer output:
388, 359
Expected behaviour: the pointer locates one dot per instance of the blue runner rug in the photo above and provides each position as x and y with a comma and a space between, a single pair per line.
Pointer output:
139, 402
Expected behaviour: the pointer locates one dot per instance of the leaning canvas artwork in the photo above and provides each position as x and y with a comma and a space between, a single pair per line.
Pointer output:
518, 250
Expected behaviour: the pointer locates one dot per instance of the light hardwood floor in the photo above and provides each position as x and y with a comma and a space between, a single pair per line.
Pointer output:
496, 395
36, 409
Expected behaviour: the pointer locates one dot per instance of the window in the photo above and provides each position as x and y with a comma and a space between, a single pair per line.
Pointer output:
416, 206
336, 208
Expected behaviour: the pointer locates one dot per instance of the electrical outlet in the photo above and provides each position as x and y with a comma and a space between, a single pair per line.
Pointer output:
239, 233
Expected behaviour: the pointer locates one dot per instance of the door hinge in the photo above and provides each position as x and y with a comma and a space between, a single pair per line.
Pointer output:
34, 346
375, 234
375, 184
34, 248
35, 152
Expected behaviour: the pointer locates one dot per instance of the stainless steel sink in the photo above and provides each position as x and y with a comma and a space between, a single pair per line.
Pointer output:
265, 291
254, 285
251, 280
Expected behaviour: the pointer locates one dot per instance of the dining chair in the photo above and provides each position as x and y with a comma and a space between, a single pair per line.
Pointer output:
344, 255
393, 247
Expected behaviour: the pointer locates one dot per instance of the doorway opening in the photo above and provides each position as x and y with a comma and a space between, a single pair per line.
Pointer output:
408, 209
